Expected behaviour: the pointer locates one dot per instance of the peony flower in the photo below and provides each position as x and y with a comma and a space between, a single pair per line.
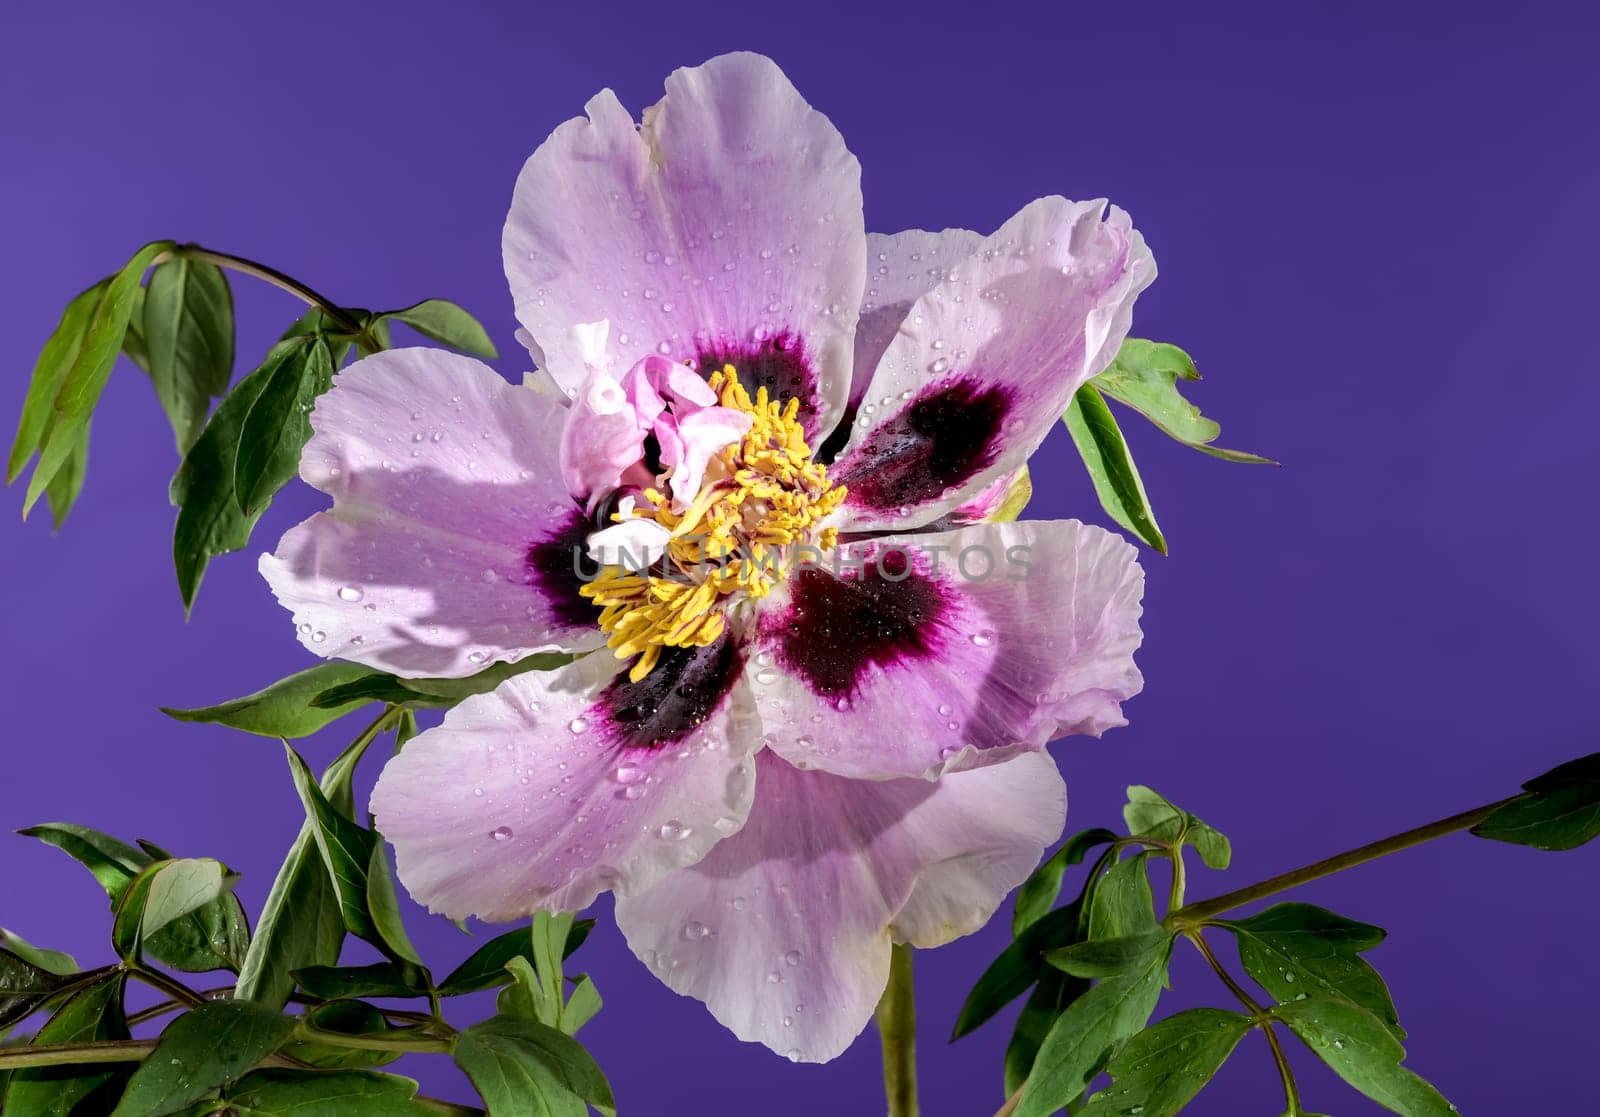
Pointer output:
752, 482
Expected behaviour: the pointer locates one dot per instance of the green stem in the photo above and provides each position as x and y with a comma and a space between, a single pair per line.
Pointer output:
173, 988
285, 283
375, 1042
1203, 910
897, 1022
1291, 1091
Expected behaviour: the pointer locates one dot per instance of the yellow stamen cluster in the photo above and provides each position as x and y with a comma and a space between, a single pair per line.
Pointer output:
761, 498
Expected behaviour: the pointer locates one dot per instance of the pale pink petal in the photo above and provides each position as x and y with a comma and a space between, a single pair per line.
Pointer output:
634, 543
445, 488
995, 639
558, 786
726, 229
983, 365
784, 929
601, 440
701, 434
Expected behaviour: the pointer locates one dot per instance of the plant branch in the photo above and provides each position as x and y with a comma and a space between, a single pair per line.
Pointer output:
1203, 910
173, 988
1291, 1091
283, 282
375, 1042
897, 1022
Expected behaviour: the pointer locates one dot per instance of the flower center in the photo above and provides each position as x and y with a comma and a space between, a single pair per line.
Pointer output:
755, 516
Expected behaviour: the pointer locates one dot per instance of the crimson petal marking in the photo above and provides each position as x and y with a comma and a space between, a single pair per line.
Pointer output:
440, 473
1023, 632
784, 929
524, 798
730, 216
1037, 309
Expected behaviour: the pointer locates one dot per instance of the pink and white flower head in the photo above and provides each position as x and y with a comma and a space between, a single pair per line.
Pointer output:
784, 760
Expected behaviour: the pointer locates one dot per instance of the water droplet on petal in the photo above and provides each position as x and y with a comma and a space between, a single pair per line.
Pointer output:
351, 593
695, 930
983, 638
674, 831
578, 724
501, 833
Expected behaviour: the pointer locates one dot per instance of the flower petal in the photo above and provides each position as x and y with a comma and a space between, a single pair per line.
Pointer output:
444, 486
784, 929
557, 786
995, 639
983, 365
726, 229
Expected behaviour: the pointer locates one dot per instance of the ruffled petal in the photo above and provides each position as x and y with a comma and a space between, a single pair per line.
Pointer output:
936, 652
784, 929
445, 488
983, 364
726, 229
558, 786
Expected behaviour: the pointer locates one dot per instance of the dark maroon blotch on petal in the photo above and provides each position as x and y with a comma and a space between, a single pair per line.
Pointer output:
553, 566
778, 363
943, 438
683, 690
835, 628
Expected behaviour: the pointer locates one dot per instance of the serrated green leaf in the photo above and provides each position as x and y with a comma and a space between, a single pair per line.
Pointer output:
1144, 376
346, 850
1165, 1066
447, 323
524, 1069
1105, 455
1018, 967
67, 485
1123, 903
51, 961
1561, 809
301, 924
486, 968
59, 352
1105, 957
1090, 1029
208, 1047
351, 1018
1295, 951
162, 893
283, 709
1040, 891
92, 1014
353, 1093
278, 423
85, 379
380, 979
1364, 1052
187, 339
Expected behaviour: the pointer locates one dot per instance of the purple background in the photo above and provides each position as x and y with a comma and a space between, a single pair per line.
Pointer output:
1376, 230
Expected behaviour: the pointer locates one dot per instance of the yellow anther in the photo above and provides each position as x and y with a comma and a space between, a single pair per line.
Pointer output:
760, 496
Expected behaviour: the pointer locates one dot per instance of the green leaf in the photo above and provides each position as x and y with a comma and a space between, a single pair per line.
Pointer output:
1105, 957
1295, 951
1363, 1052
583, 1005
428, 693
278, 423
1018, 967
67, 485
301, 924
51, 961
1116, 479
384, 904
283, 709
162, 893
346, 851
86, 378
351, 1018
447, 323
1561, 809
92, 1014
1165, 1066
527, 998
210, 522
1123, 904
187, 339
1144, 376
486, 968
1040, 891
59, 352
1050, 996
201, 1050
524, 1069
25, 987
1089, 1030
380, 979
353, 1093
1151, 815
212, 938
